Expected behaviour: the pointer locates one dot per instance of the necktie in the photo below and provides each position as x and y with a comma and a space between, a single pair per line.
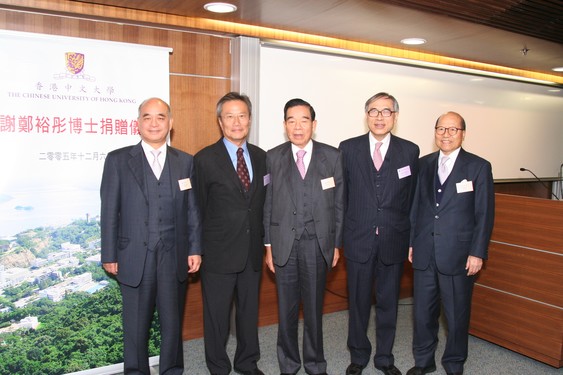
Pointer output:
443, 170
155, 166
300, 163
377, 159
242, 170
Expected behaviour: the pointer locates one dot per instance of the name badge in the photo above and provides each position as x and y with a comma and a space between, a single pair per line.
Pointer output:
267, 179
464, 186
404, 172
328, 183
185, 184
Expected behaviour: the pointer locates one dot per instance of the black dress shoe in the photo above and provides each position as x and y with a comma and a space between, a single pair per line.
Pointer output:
287, 373
455, 373
256, 371
421, 370
389, 370
354, 369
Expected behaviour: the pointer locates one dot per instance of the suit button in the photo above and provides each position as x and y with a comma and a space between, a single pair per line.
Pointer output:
248, 231
436, 217
293, 229
295, 213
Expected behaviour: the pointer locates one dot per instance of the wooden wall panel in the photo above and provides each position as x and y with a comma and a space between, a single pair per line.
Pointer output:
515, 270
518, 299
524, 326
539, 227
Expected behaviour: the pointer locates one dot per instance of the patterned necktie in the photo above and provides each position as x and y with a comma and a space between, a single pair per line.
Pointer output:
377, 159
443, 170
155, 166
300, 163
242, 170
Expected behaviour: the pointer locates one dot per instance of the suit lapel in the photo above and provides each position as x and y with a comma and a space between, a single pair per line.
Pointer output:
365, 162
175, 168
458, 173
286, 174
136, 165
225, 163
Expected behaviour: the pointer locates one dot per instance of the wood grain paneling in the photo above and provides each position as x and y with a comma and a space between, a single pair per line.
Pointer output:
518, 298
531, 222
527, 327
516, 270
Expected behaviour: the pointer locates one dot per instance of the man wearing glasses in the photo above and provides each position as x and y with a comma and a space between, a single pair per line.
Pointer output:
380, 172
451, 224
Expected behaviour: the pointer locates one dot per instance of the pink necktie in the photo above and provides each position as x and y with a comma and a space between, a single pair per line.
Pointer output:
300, 163
377, 159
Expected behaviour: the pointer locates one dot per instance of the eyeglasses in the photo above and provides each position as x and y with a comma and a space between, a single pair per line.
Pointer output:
386, 112
440, 130
230, 117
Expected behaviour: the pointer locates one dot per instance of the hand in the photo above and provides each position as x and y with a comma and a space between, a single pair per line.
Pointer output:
110, 268
410, 254
473, 265
336, 257
194, 261
269, 259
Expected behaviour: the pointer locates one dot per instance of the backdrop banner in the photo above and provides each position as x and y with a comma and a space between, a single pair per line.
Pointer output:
64, 104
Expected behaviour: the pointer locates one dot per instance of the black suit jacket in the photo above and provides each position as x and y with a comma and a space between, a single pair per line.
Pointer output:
463, 222
327, 203
124, 212
232, 222
389, 212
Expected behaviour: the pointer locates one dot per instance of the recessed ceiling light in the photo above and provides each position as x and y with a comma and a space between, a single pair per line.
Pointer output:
558, 69
413, 41
220, 7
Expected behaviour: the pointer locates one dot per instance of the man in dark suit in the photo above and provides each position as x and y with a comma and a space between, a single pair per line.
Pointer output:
451, 220
231, 190
303, 217
151, 237
380, 174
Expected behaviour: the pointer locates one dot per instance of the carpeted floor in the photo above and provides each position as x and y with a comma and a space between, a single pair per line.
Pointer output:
484, 358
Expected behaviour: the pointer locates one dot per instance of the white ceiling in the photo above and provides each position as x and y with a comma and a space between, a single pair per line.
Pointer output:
384, 24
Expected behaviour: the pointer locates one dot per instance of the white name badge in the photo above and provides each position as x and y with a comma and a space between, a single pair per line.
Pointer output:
185, 184
404, 172
267, 179
464, 186
328, 183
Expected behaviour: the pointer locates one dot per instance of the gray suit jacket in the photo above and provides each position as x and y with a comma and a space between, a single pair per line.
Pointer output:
328, 203
124, 212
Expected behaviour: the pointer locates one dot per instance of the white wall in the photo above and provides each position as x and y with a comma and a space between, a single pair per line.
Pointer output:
512, 124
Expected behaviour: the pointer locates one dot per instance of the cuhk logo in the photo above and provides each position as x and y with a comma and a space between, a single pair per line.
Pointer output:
74, 62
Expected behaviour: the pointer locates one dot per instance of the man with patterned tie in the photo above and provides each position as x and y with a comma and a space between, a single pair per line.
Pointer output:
151, 237
451, 224
380, 174
303, 217
231, 190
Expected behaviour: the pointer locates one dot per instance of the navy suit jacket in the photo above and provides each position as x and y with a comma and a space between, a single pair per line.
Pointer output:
390, 211
327, 204
124, 212
232, 222
463, 222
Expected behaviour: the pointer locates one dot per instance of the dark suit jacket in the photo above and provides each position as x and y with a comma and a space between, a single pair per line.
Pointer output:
328, 209
125, 211
389, 212
463, 222
232, 223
